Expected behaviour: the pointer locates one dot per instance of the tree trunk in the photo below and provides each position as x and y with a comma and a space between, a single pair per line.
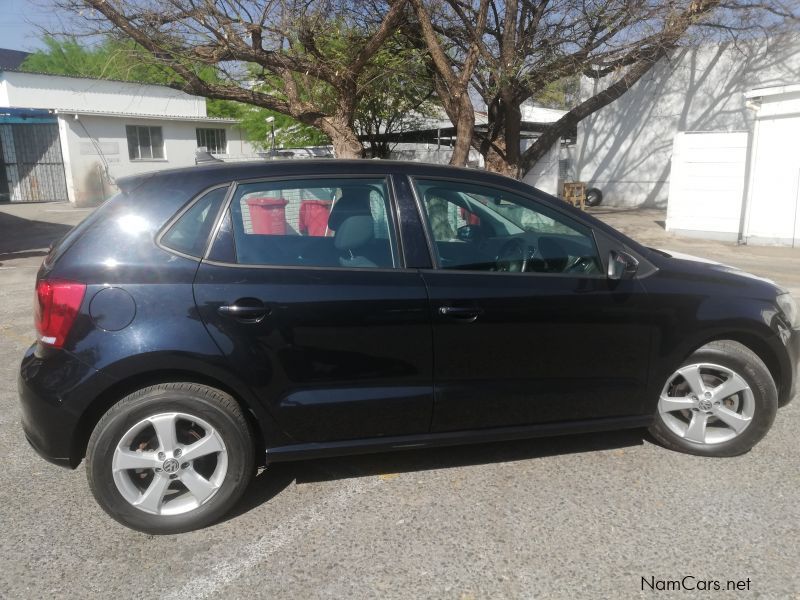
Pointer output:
343, 137
464, 122
496, 160
502, 154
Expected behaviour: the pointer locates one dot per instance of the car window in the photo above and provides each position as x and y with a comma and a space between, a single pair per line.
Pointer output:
190, 232
487, 229
315, 223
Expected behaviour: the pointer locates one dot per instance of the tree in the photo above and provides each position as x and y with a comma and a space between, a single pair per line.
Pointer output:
453, 68
268, 52
528, 46
400, 94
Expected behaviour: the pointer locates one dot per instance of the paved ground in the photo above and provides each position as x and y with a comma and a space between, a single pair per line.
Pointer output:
576, 517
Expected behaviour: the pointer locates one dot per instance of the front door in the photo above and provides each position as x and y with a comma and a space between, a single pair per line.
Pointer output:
527, 328
304, 292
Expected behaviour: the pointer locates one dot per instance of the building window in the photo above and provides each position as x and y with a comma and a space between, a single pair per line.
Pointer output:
144, 142
213, 140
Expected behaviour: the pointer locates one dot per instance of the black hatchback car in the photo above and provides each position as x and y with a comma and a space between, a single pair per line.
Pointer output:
209, 319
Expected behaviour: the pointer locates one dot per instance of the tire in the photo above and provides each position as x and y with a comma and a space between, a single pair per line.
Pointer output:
699, 416
593, 197
170, 458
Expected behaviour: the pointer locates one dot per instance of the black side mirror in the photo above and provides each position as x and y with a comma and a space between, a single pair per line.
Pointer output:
621, 265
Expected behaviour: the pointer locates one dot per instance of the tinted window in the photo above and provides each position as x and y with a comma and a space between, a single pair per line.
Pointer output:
488, 229
190, 233
315, 223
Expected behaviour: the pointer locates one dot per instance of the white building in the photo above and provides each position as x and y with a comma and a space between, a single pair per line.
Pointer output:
625, 149
70, 137
742, 186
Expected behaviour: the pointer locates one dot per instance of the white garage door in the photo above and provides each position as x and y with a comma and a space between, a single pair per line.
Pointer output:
706, 183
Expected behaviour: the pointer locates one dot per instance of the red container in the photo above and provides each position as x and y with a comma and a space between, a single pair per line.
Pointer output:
268, 215
314, 217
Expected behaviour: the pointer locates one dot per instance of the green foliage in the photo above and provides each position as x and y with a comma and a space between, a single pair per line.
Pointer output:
112, 59
288, 132
561, 94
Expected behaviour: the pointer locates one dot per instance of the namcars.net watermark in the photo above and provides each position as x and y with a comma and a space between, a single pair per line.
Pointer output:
690, 583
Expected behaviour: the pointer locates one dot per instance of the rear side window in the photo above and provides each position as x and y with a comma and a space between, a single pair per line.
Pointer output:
338, 222
189, 234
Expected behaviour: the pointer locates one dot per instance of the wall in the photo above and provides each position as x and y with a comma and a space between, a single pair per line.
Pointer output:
773, 203
96, 145
544, 174
625, 148
32, 90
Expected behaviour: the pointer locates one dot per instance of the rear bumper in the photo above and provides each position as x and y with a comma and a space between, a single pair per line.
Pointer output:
55, 389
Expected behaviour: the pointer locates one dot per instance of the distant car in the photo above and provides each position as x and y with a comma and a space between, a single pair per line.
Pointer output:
188, 330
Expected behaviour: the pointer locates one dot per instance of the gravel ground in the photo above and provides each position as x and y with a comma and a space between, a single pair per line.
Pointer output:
585, 516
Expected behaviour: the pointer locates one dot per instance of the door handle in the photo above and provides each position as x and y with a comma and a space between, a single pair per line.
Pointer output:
467, 314
247, 309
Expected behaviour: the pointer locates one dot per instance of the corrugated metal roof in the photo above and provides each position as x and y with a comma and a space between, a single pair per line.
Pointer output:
124, 115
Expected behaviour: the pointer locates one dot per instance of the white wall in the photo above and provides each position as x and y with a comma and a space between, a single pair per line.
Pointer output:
706, 185
625, 148
93, 145
544, 174
773, 203
33, 90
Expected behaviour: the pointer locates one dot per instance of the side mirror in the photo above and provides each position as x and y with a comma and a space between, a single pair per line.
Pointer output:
621, 265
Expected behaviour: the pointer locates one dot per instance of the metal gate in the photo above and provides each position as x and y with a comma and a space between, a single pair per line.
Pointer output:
31, 164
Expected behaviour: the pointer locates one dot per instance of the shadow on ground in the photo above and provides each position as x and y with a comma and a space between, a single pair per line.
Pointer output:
277, 477
18, 235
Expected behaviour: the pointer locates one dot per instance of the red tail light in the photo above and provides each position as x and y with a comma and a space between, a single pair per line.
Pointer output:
55, 308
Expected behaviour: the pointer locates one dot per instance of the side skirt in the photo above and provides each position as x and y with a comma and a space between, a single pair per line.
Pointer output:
454, 438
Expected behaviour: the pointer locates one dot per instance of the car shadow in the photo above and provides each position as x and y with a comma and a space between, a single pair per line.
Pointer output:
275, 478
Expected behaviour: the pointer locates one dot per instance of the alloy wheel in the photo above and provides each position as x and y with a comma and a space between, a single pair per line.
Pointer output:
169, 463
706, 403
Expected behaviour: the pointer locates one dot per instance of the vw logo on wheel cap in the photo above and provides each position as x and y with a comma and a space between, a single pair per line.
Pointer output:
171, 466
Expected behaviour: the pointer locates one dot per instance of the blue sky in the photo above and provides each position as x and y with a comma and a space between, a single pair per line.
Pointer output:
18, 23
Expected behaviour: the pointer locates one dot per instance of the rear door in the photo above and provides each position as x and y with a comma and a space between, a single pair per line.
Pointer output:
527, 328
304, 290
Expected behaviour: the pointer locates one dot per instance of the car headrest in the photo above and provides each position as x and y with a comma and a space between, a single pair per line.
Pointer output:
354, 202
354, 232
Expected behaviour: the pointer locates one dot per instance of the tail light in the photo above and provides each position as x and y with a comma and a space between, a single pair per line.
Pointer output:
55, 308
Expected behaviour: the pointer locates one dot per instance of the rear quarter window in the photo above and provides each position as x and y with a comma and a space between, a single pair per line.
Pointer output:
189, 234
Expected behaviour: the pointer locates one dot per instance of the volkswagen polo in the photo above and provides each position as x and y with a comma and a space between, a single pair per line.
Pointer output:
208, 320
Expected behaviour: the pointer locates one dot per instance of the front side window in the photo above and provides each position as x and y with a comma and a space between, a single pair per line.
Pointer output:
213, 140
144, 142
316, 223
480, 228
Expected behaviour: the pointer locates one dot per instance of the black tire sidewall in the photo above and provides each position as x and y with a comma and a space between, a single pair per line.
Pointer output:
131, 411
753, 371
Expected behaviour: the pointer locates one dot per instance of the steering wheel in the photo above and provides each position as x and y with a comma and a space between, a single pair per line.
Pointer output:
513, 256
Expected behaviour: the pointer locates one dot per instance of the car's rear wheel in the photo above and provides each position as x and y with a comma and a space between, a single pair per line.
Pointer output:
170, 458
720, 402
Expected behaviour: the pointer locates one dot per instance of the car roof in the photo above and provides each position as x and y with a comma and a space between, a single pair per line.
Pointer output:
206, 175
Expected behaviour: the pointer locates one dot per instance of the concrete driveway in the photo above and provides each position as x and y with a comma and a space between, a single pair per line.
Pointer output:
587, 516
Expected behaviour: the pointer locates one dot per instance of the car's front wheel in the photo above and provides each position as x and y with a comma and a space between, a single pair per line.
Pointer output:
170, 458
720, 402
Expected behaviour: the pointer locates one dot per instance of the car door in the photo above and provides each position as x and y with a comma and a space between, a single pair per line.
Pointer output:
527, 328
304, 290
